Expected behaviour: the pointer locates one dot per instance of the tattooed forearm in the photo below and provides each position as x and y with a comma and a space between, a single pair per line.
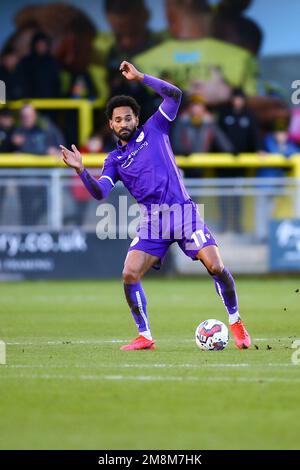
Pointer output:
171, 92
93, 186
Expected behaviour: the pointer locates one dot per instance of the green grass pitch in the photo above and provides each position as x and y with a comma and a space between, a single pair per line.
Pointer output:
66, 384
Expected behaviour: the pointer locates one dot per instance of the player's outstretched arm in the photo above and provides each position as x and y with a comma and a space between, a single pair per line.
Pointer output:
72, 158
99, 189
170, 93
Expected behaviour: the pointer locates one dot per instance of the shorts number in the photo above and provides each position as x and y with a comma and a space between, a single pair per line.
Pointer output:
196, 235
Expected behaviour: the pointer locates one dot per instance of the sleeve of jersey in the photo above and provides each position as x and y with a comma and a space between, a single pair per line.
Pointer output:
171, 99
100, 188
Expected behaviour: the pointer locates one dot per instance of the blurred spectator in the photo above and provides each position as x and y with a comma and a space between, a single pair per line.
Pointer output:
195, 131
80, 195
239, 124
35, 136
277, 142
7, 124
20, 40
280, 143
82, 87
95, 144
9, 73
39, 70
241, 128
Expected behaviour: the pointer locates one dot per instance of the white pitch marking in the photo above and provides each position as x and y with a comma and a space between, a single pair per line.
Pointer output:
155, 378
112, 341
146, 366
64, 342
126, 366
199, 379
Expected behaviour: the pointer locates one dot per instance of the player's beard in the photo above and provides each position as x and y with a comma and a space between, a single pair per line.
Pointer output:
125, 136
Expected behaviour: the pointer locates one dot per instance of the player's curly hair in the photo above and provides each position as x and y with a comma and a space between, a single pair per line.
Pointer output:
122, 100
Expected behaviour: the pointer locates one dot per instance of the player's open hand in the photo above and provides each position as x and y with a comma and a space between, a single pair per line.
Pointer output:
72, 158
130, 72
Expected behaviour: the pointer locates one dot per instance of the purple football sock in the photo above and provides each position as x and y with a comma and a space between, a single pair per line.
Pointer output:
225, 288
137, 302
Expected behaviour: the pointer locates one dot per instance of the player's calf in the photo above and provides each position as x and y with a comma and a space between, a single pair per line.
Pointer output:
225, 287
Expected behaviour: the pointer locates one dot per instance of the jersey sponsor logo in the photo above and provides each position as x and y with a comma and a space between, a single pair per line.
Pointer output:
132, 154
128, 162
140, 137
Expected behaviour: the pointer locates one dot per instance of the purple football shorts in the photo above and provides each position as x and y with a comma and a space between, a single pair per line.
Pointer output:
181, 223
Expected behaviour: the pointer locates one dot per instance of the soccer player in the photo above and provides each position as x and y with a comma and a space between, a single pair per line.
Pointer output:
144, 162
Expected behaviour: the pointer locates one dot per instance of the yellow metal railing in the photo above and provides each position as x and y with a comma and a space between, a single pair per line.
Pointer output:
84, 108
216, 160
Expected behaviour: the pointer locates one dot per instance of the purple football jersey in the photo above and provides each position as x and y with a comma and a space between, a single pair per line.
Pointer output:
146, 164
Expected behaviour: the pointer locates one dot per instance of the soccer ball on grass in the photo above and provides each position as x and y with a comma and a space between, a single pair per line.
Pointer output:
211, 335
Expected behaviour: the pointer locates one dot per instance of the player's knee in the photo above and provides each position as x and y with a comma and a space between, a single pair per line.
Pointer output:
215, 267
130, 276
